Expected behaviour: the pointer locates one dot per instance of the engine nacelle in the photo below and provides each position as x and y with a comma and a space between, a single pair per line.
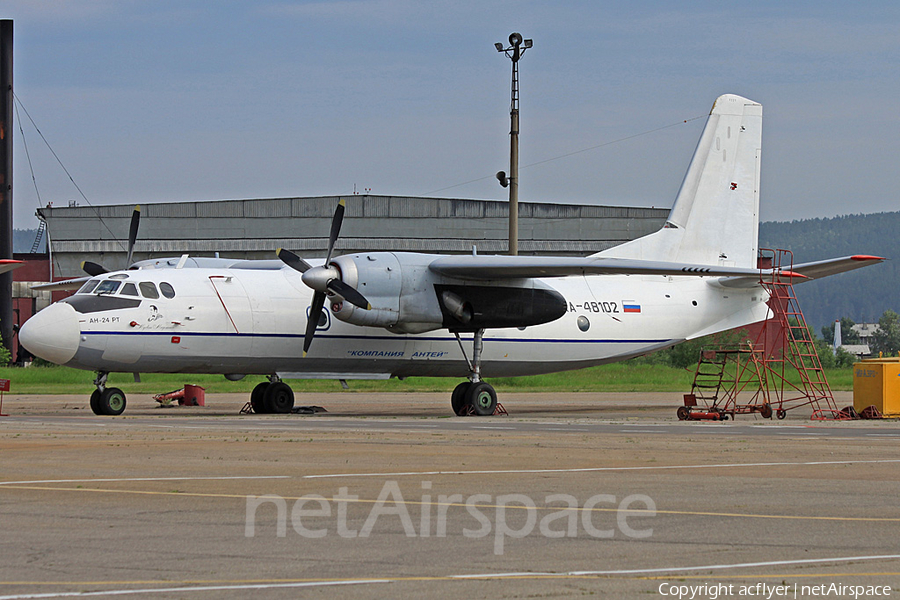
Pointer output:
407, 297
401, 294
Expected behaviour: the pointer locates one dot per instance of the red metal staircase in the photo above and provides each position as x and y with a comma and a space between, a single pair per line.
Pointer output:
779, 371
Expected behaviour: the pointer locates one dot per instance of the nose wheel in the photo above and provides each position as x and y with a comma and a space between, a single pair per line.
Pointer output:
107, 401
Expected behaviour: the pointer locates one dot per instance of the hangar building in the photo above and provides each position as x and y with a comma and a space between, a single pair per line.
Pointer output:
255, 228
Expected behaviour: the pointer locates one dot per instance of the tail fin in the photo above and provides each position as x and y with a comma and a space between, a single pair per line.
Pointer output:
716, 215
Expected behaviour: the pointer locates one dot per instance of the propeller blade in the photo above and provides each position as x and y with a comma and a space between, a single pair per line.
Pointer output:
93, 269
315, 309
132, 233
335, 229
292, 260
349, 293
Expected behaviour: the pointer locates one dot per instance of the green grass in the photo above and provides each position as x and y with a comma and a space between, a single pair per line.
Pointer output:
618, 377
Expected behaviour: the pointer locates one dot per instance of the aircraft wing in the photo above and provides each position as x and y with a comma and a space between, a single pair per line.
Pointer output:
67, 284
522, 267
7, 265
808, 271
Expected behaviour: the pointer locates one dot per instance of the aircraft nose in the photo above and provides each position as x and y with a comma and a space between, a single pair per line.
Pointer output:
52, 333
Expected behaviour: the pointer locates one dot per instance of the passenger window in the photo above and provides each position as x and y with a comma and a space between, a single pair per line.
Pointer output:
167, 290
107, 287
148, 290
129, 289
88, 287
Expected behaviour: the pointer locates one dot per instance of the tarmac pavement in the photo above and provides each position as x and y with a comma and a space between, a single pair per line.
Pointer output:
385, 494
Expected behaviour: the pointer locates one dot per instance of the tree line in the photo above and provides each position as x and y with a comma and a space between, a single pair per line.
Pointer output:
862, 295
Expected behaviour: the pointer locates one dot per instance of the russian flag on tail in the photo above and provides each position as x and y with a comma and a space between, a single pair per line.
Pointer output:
630, 306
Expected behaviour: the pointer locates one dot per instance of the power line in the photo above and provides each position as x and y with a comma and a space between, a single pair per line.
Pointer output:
69, 175
27, 155
624, 139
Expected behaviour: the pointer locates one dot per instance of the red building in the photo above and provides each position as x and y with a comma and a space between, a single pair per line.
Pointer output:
27, 301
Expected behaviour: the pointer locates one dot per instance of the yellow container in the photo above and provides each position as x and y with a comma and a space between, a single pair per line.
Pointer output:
876, 382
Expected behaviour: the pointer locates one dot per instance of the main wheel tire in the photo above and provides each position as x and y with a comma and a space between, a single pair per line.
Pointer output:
95, 403
279, 398
257, 398
112, 401
766, 411
683, 413
458, 398
482, 397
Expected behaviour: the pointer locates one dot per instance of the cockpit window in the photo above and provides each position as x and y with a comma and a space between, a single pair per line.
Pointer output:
107, 287
167, 290
88, 287
129, 289
148, 290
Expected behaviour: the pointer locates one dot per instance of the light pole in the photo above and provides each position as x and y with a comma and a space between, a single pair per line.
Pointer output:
514, 51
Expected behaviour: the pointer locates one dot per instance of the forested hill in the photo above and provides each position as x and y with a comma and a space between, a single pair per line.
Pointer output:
23, 240
862, 295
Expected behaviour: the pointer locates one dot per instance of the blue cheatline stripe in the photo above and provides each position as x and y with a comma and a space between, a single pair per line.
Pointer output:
298, 336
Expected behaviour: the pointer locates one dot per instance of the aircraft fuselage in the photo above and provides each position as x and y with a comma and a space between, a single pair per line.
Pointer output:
244, 321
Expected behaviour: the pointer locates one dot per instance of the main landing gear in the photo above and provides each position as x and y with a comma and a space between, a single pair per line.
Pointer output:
474, 396
273, 396
104, 400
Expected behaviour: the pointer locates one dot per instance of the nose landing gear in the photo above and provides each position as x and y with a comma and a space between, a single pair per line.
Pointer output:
107, 401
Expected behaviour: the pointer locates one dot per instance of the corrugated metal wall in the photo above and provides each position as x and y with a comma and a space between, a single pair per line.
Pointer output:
254, 228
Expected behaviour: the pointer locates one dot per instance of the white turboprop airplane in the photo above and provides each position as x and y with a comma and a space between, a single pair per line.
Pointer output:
397, 314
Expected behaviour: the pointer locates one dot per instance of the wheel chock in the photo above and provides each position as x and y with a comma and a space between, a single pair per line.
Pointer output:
499, 411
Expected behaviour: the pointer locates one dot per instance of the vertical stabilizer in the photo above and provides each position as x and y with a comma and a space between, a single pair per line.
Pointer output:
716, 215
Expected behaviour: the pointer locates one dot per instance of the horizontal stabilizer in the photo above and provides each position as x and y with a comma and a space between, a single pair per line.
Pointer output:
524, 267
807, 271
833, 266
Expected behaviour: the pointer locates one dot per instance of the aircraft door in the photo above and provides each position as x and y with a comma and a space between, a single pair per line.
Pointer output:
235, 318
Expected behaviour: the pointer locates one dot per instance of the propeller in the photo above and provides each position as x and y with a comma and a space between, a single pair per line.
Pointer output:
132, 233
93, 269
312, 320
293, 261
323, 279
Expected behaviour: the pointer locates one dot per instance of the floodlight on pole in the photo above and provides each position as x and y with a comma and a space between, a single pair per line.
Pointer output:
514, 51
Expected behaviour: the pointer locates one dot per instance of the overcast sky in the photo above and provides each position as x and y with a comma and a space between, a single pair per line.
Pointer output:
188, 100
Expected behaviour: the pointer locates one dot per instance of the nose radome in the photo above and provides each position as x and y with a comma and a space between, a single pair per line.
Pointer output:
52, 334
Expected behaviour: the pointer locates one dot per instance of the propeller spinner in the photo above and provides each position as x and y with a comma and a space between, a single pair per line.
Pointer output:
323, 280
